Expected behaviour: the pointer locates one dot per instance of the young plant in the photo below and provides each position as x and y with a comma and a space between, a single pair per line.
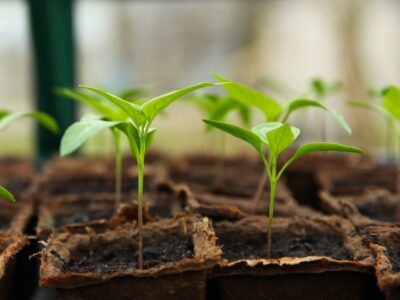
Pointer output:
137, 128
7, 118
216, 107
389, 108
107, 112
275, 112
276, 137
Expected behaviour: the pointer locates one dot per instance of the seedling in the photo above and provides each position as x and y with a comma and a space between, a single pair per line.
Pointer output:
108, 112
275, 112
389, 108
276, 137
7, 118
216, 107
137, 128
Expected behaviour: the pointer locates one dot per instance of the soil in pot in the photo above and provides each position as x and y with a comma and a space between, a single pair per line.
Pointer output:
312, 258
9, 248
384, 240
375, 204
104, 265
357, 180
16, 175
72, 209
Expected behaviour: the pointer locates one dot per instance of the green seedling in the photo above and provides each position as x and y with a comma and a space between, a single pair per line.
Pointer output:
7, 118
216, 107
137, 128
273, 111
276, 137
388, 108
107, 112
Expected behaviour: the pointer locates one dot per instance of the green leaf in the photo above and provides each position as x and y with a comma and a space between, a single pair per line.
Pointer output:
241, 133
303, 103
150, 138
154, 106
323, 147
44, 119
133, 94
6, 195
277, 136
106, 109
133, 110
132, 134
371, 106
252, 98
3, 113
322, 88
79, 132
391, 101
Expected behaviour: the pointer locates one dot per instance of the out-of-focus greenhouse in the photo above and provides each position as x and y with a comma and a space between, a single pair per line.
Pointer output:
278, 45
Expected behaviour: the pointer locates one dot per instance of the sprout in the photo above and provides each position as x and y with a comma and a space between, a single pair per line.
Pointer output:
7, 118
276, 137
389, 108
107, 112
137, 128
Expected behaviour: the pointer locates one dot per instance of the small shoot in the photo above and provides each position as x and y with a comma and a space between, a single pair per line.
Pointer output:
137, 128
7, 118
107, 114
389, 109
275, 112
276, 137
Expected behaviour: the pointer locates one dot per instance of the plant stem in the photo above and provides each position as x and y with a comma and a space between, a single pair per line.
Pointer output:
118, 170
271, 216
260, 188
140, 210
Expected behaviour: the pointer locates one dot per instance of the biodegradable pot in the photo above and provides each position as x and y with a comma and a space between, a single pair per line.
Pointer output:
375, 204
177, 253
59, 211
14, 217
238, 177
220, 207
301, 175
16, 175
79, 183
384, 240
9, 248
356, 181
312, 258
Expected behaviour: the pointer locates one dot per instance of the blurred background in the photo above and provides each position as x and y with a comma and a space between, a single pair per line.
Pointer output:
163, 45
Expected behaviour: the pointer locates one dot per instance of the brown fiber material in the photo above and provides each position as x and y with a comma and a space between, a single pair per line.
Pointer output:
312, 258
375, 204
384, 240
88, 182
58, 211
357, 180
219, 207
14, 217
64, 267
9, 247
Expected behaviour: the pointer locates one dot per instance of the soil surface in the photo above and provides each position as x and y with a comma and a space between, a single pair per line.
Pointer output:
381, 211
119, 256
76, 186
253, 245
82, 216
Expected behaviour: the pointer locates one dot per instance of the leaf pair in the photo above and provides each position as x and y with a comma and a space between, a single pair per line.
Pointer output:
277, 137
272, 110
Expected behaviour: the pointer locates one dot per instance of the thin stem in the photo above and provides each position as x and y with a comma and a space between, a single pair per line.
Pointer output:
140, 209
260, 188
118, 170
271, 216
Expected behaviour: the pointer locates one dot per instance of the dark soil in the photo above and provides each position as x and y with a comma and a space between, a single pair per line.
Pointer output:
253, 245
119, 256
393, 247
303, 187
82, 216
381, 211
77, 185
16, 186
